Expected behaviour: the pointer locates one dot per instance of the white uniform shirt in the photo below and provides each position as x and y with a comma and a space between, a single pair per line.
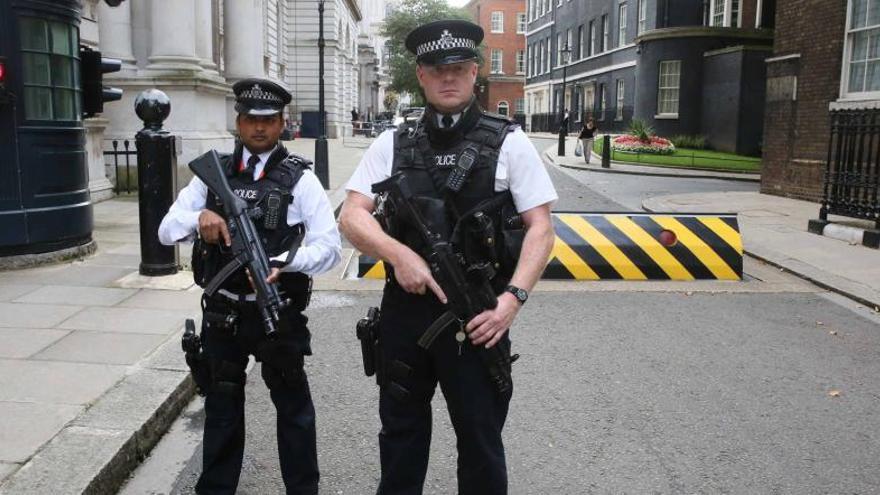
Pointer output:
321, 248
519, 170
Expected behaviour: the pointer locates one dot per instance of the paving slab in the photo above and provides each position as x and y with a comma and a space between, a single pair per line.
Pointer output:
9, 292
181, 280
126, 320
73, 274
54, 382
169, 355
101, 347
162, 299
26, 426
104, 258
7, 468
20, 343
88, 447
79, 296
18, 315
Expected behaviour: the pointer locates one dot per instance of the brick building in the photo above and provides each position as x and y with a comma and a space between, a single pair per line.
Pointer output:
806, 78
504, 59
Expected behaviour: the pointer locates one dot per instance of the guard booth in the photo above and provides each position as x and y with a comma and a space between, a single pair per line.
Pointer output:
44, 193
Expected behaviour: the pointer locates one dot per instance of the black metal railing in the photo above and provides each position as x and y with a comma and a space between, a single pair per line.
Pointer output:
852, 172
545, 122
608, 121
129, 153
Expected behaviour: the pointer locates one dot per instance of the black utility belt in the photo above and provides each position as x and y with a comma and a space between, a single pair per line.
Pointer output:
239, 298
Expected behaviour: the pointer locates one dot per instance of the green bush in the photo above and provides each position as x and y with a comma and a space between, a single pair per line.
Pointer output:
695, 142
640, 129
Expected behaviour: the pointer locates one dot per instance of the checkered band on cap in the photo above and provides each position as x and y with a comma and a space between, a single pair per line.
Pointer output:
446, 42
258, 93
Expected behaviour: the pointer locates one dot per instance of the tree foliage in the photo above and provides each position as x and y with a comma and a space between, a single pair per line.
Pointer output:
406, 16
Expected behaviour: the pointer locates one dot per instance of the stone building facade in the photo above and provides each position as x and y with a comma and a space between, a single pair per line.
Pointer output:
504, 57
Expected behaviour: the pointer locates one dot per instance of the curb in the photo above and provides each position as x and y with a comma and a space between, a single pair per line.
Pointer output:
820, 278
22, 261
97, 451
553, 159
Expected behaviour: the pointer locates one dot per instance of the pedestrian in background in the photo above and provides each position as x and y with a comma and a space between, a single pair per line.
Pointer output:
293, 217
587, 135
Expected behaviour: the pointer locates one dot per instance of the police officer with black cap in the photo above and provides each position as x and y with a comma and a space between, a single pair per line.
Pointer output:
505, 180
294, 219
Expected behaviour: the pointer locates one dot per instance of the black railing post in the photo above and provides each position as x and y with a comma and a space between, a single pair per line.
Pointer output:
157, 169
606, 151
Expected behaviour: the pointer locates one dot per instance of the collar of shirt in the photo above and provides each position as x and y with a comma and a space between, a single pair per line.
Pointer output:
454, 116
264, 156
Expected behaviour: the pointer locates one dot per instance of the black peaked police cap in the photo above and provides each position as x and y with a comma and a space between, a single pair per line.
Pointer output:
444, 42
259, 97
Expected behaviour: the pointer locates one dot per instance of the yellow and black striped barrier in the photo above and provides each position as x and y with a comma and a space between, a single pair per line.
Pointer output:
634, 246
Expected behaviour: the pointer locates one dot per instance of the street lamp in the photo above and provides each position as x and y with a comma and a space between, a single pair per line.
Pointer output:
321, 158
563, 126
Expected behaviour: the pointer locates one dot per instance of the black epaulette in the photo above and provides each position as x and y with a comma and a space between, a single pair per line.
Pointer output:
289, 171
492, 128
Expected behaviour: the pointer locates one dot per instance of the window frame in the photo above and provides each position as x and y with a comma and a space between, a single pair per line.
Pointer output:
642, 17
521, 22
520, 64
593, 38
506, 108
606, 32
603, 93
500, 69
726, 13
848, 46
519, 106
55, 90
621, 24
493, 20
580, 42
619, 96
661, 88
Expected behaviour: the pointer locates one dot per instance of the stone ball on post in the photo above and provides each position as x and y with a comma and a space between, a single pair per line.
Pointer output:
153, 107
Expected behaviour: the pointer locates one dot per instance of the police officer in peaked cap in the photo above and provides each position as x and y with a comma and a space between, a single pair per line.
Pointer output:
294, 219
497, 173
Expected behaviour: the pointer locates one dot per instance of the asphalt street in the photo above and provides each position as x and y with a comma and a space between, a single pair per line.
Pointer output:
623, 391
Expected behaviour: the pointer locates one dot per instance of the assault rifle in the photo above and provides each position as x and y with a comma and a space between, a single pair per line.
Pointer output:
467, 288
247, 250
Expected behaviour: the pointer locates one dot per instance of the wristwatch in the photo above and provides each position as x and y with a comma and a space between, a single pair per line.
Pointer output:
521, 295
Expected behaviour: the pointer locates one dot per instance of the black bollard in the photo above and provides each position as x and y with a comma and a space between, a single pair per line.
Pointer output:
157, 171
560, 151
606, 151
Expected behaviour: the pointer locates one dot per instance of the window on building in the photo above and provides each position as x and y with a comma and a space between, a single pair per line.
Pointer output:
667, 90
558, 49
618, 115
593, 37
579, 48
589, 99
725, 13
530, 64
497, 58
503, 108
559, 3
497, 25
601, 102
606, 33
621, 24
520, 106
547, 60
520, 23
643, 17
520, 62
50, 70
568, 46
862, 49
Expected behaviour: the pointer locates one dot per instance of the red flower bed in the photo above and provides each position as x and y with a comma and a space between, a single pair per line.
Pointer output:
631, 144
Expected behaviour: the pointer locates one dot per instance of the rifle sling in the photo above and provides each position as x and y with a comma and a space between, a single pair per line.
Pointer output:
427, 339
233, 266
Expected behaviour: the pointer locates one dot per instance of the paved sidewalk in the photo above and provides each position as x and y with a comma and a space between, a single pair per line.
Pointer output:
91, 371
774, 229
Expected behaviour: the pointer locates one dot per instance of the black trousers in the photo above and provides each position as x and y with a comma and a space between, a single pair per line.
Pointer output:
476, 410
281, 363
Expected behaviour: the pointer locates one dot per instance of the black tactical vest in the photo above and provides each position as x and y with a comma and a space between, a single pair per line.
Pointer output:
267, 199
427, 156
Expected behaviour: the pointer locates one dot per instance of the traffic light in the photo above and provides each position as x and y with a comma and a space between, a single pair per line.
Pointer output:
4, 95
92, 69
